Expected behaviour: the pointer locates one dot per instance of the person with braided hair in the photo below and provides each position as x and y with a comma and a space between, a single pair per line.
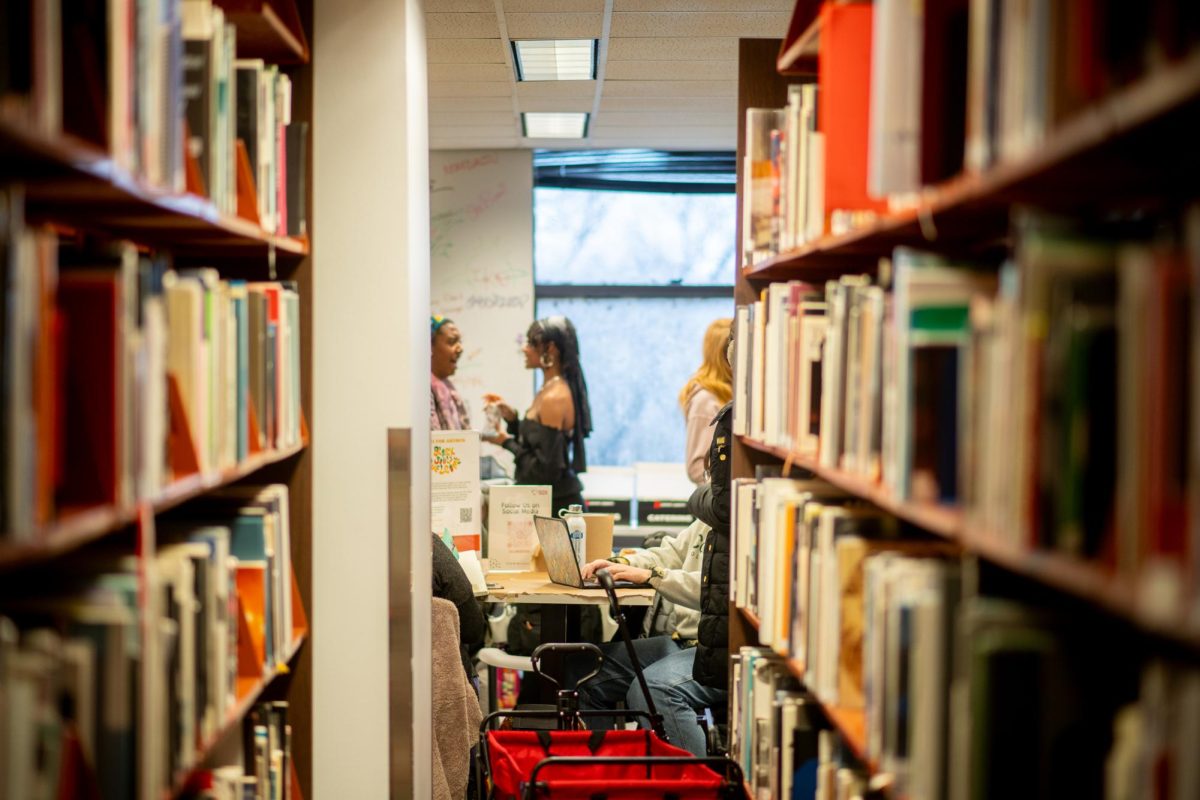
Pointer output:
548, 444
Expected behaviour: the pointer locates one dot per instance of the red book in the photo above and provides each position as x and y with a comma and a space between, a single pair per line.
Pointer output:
89, 305
844, 106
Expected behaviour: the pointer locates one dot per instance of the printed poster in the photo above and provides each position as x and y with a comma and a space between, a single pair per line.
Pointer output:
511, 535
454, 487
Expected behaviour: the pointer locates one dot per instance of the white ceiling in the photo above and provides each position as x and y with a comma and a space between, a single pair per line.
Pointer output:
666, 75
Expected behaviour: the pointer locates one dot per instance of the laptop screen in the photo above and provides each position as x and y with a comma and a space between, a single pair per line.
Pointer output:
556, 547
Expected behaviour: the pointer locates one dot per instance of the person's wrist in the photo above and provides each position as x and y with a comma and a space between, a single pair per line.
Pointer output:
657, 573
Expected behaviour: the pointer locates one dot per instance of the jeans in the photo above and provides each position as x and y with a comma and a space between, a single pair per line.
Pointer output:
668, 670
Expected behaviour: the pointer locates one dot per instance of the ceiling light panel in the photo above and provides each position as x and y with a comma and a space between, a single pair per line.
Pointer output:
555, 59
554, 125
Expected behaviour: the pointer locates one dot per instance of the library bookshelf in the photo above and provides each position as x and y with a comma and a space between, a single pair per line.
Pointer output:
1076, 577
1125, 154
74, 190
77, 529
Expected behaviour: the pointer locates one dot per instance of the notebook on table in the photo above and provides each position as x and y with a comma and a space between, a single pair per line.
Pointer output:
560, 556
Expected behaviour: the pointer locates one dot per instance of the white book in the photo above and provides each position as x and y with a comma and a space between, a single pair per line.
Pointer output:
893, 162
741, 362
742, 514
795, 133
774, 363
853, 380
813, 326
808, 228
832, 372
815, 206
757, 368
512, 538
185, 355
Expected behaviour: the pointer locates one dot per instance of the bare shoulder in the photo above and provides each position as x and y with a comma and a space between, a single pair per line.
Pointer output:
557, 408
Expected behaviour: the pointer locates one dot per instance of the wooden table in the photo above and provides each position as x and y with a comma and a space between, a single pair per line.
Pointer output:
535, 587
560, 609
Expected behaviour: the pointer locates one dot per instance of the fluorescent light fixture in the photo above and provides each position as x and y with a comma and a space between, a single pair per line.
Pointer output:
555, 59
554, 124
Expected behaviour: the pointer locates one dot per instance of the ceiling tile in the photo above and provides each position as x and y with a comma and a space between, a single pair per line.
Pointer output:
726, 105
554, 26
556, 89
491, 143
477, 6
470, 89
438, 104
461, 26
465, 51
464, 133
553, 6
600, 131
670, 88
670, 70
556, 104
469, 72
471, 119
626, 119
655, 48
693, 6
664, 23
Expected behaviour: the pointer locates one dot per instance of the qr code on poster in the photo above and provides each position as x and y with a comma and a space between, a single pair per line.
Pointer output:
466, 514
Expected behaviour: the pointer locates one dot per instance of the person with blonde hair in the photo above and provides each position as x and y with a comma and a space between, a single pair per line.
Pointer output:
709, 388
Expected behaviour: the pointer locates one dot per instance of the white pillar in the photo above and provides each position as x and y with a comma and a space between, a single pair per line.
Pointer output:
370, 366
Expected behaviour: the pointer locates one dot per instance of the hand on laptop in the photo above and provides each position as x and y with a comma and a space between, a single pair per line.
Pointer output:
619, 572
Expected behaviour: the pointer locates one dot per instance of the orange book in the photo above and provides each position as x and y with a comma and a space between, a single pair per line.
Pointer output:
844, 106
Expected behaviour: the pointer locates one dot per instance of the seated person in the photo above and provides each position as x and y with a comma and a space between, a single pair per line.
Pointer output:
451, 583
673, 569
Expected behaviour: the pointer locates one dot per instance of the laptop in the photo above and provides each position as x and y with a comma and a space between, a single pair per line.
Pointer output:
560, 556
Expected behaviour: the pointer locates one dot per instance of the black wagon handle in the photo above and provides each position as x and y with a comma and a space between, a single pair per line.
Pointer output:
566, 647
656, 720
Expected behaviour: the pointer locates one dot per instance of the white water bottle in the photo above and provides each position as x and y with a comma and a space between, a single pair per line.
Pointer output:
577, 530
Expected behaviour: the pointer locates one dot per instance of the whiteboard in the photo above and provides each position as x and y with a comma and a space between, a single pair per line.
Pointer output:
481, 242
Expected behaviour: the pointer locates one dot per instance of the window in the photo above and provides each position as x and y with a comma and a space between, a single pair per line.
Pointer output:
641, 274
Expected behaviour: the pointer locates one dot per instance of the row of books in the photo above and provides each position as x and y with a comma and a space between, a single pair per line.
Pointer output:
1032, 66
234, 348
265, 770
781, 736
152, 83
954, 687
113, 680
908, 95
1052, 398
114, 365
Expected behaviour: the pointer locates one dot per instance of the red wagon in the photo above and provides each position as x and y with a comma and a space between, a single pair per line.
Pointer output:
571, 762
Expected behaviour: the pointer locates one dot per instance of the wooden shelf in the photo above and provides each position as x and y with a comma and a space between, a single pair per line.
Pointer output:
233, 721
798, 51
80, 528
1113, 150
1091, 582
750, 616
1073, 576
267, 29
71, 181
946, 521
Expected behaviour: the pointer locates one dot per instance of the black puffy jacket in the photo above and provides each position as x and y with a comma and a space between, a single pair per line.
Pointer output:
710, 504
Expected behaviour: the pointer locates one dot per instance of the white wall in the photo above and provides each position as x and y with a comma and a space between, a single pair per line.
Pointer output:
481, 202
371, 356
